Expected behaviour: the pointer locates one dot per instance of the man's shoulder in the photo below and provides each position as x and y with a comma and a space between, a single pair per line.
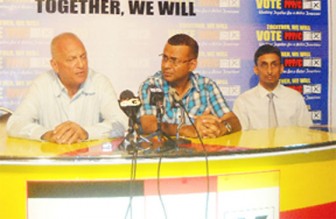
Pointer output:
249, 92
156, 76
96, 75
45, 77
288, 91
97, 78
198, 78
154, 79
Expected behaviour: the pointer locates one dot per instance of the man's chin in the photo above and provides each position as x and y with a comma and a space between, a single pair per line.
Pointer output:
81, 80
167, 78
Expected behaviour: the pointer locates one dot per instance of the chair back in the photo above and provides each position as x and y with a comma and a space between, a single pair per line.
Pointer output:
5, 113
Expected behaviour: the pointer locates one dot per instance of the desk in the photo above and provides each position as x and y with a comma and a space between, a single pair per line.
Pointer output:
298, 164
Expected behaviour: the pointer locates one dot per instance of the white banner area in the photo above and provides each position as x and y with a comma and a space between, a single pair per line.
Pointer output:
124, 40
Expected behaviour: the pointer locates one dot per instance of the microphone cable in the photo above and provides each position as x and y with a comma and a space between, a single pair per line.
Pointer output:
177, 100
205, 157
131, 183
158, 187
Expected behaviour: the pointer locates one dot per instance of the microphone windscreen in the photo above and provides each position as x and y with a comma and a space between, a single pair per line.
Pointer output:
126, 94
156, 95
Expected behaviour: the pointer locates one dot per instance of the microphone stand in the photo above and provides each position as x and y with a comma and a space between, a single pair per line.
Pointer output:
169, 143
180, 124
179, 140
178, 102
132, 140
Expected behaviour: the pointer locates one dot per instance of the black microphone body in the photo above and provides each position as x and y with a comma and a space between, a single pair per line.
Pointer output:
178, 101
129, 104
156, 98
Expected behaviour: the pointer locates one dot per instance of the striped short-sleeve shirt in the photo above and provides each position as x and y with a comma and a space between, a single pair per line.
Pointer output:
203, 93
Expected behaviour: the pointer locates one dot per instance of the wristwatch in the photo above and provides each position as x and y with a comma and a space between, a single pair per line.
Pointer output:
228, 127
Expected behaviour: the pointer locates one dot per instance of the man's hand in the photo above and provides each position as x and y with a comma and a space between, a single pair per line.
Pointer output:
208, 125
66, 133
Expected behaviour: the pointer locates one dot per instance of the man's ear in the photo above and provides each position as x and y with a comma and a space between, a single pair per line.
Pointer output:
256, 71
54, 65
282, 68
193, 64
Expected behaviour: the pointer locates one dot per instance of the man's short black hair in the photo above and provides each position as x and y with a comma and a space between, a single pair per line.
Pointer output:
184, 39
266, 49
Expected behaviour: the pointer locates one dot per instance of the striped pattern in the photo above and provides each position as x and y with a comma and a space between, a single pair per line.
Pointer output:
204, 93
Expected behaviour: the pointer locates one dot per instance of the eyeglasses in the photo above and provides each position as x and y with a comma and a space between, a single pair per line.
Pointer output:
173, 61
265, 66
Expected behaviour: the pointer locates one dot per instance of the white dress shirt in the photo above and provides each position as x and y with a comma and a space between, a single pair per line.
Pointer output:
94, 107
251, 108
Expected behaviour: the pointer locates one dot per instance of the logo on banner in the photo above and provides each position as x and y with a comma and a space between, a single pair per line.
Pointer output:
314, 5
229, 3
302, 35
312, 62
233, 90
316, 115
312, 36
306, 62
230, 35
302, 4
289, 33
311, 5
312, 89
230, 63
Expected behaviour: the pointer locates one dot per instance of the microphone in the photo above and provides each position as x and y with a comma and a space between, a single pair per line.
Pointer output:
129, 104
177, 100
126, 94
156, 97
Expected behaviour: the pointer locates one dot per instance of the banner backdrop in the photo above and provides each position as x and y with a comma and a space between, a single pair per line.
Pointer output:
124, 40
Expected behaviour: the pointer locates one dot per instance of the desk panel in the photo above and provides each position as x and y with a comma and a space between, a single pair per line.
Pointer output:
305, 160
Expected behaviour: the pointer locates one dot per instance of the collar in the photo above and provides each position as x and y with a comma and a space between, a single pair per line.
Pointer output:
194, 79
86, 88
193, 83
263, 92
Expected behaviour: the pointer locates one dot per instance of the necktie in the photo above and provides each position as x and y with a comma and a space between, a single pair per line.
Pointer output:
272, 118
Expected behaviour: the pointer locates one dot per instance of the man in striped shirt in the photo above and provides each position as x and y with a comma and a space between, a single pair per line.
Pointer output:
201, 97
